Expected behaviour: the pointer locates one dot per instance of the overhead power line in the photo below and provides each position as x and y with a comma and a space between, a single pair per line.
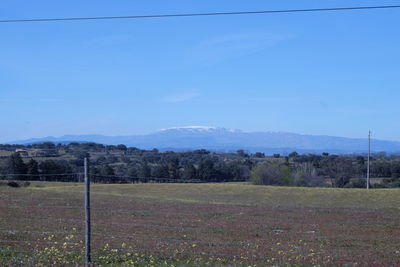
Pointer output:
40, 175
199, 14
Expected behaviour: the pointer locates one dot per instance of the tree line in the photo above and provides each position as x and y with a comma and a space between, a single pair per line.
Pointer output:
121, 164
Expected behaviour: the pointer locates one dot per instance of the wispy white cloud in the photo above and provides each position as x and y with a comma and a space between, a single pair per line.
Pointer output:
180, 97
234, 45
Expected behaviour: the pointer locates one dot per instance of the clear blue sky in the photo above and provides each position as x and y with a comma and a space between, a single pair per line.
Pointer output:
331, 73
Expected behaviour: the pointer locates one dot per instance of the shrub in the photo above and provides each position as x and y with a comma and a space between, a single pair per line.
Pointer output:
357, 183
271, 174
13, 184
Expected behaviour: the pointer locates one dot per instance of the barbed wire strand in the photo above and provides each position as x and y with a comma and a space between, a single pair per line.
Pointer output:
41, 175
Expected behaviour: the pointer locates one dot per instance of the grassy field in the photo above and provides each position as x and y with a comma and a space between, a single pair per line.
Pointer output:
200, 224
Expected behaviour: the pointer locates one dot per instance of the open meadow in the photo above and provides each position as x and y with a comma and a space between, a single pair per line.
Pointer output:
233, 224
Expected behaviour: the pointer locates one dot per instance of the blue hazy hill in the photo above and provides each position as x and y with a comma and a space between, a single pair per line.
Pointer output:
225, 140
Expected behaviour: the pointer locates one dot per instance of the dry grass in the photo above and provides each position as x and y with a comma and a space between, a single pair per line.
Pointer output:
239, 223
244, 194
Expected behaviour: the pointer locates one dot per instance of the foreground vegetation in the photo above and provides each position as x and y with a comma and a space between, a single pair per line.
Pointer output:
232, 224
120, 164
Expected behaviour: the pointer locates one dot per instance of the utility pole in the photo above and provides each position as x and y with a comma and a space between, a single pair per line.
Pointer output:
369, 156
87, 213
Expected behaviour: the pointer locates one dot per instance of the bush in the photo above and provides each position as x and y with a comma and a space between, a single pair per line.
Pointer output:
271, 174
393, 184
13, 184
357, 183
305, 174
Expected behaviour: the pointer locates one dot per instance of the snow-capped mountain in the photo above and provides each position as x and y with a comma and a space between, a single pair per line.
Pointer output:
192, 128
222, 139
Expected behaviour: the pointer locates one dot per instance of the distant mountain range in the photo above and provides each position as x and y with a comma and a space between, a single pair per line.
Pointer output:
226, 140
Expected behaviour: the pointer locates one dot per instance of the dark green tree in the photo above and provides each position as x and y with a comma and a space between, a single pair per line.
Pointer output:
173, 170
160, 171
56, 171
206, 170
33, 169
122, 147
144, 170
108, 170
242, 153
17, 166
190, 172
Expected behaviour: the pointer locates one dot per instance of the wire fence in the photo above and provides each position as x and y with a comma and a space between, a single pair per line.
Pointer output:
31, 214
109, 179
